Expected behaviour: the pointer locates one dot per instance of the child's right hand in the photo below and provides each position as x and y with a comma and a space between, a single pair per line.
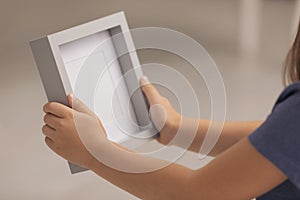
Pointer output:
164, 117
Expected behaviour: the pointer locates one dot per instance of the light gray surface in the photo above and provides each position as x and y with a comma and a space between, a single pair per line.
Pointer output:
31, 171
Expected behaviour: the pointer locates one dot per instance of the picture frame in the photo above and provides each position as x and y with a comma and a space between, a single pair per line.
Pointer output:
60, 57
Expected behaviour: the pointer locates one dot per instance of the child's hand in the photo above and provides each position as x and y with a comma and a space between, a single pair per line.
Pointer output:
67, 130
164, 117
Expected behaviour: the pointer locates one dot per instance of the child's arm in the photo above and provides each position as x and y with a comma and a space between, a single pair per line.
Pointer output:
232, 132
168, 121
238, 173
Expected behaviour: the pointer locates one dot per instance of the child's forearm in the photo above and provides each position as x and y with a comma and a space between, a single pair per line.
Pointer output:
166, 183
231, 133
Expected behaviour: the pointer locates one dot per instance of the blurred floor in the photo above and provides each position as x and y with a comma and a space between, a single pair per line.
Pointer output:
251, 73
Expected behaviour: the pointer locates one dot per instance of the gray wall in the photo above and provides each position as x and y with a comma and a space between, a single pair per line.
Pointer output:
251, 74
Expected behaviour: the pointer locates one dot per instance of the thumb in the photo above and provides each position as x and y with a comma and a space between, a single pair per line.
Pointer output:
150, 91
78, 105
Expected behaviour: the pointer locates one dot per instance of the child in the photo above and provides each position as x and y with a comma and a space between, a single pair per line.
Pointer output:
253, 159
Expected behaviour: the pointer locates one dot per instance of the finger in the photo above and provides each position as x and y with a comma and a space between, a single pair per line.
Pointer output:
158, 116
57, 109
49, 143
52, 120
49, 132
102, 128
78, 105
150, 91
70, 99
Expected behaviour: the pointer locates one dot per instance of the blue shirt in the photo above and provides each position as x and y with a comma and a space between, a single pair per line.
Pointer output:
278, 140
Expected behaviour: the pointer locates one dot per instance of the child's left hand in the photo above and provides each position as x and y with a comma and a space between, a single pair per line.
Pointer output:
65, 128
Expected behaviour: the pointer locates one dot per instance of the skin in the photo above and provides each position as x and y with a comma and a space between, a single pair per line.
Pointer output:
237, 172
232, 132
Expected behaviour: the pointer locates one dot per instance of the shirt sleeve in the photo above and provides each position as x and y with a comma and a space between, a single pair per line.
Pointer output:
278, 138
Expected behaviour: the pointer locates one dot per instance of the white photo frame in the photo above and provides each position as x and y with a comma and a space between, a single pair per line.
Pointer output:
59, 57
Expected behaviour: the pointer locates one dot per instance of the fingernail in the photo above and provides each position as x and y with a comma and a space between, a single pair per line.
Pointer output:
71, 95
144, 80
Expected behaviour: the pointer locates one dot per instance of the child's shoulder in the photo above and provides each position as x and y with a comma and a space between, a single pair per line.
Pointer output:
292, 90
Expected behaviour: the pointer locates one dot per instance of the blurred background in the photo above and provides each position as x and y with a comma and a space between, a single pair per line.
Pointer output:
248, 40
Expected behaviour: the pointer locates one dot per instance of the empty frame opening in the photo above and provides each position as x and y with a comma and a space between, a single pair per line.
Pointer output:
96, 77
